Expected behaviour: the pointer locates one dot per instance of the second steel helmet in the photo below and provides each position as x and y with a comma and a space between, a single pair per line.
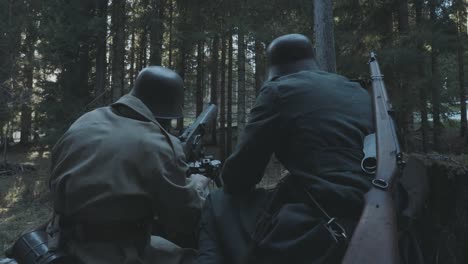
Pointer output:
161, 90
288, 54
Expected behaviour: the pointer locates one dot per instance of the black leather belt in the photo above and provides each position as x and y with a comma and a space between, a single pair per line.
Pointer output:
109, 231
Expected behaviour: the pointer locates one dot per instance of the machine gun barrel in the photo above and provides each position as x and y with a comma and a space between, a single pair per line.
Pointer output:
192, 142
192, 137
375, 237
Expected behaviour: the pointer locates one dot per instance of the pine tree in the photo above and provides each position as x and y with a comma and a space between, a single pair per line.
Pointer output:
324, 38
118, 48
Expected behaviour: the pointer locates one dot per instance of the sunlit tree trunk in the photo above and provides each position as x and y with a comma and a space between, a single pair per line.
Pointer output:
461, 69
229, 97
323, 32
259, 65
222, 105
26, 96
199, 91
241, 91
132, 57
171, 21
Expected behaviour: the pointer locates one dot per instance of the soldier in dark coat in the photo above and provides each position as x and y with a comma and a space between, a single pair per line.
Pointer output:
314, 122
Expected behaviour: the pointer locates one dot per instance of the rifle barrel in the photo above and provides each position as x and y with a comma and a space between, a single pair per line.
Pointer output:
375, 237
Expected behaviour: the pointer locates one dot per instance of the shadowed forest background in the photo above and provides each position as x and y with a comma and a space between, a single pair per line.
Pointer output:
62, 58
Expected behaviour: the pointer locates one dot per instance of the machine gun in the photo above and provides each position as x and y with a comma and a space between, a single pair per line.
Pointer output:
375, 237
192, 142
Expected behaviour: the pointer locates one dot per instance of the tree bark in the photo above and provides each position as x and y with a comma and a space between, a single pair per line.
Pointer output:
131, 73
214, 78
403, 19
405, 112
435, 82
101, 49
222, 105
422, 89
156, 31
10, 42
143, 36
461, 71
142, 46
259, 65
183, 53
324, 38
199, 91
118, 48
171, 21
30, 43
229, 97
241, 117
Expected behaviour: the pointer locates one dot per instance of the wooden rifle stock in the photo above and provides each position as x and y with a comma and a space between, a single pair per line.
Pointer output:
375, 237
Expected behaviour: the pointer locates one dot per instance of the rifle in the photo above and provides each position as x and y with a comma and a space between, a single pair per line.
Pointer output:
193, 145
375, 237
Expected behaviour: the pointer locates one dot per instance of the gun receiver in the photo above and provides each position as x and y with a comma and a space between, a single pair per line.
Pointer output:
375, 237
192, 142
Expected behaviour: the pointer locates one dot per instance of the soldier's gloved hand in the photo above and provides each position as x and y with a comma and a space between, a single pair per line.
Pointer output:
201, 184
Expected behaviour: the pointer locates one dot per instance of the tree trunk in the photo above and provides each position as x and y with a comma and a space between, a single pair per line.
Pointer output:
435, 82
10, 41
222, 105
142, 46
118, 48
404, 113
182, 58
422, 88
171, 21
199, 91
143, 36
214, 78
156, 31
241, 117
101, 49
259, 65
229, 97
132, 76
324, 38
461, 72
30, 43
403, 19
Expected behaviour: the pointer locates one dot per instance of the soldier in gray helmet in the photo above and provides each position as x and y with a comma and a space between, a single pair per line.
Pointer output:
314, 122
116, 169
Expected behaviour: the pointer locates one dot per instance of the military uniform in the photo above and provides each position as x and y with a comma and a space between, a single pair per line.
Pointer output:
112, 172
314, 122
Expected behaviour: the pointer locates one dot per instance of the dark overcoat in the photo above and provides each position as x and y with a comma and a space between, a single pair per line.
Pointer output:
314, 122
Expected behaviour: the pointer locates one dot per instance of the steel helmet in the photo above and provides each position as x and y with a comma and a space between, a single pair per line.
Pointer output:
161, 90
288, 54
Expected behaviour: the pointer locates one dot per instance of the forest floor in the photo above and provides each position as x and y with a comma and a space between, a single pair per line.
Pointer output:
24, 197
25, 200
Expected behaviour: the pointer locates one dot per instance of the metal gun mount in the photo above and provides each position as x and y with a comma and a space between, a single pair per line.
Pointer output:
194, 149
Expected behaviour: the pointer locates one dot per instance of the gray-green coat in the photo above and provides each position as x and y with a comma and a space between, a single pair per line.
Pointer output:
120, 168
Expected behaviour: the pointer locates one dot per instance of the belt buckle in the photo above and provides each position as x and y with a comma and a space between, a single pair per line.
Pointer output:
337, 232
